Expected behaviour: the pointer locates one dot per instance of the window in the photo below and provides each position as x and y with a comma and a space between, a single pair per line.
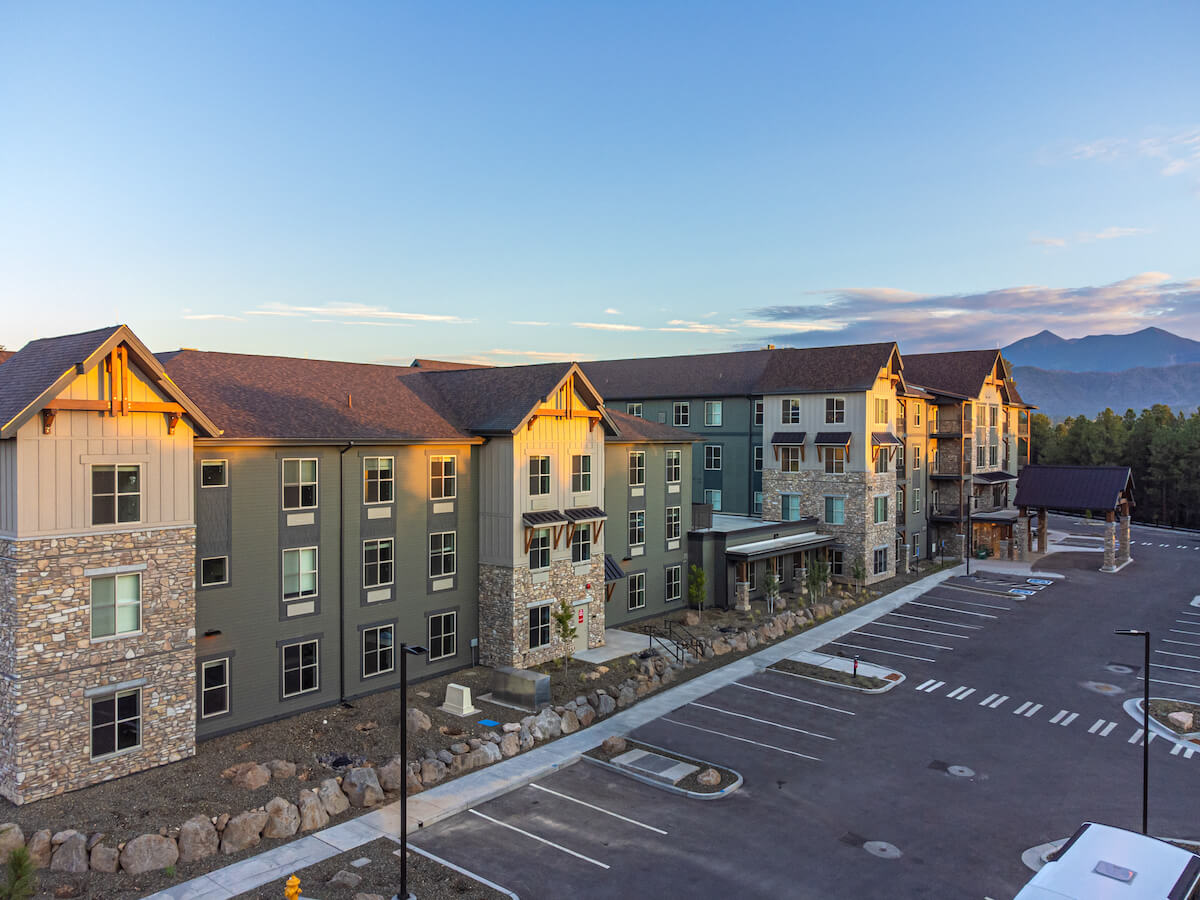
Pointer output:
378, 650
979, 457
993, 416
214, 688
539, 475
758, 456
673, 522
758, 503
712, 413
116, 723
674, 466
300, 668
637, 468
682, 414
378, 480
916, 546
882, 416
752, 570
916, 411
634, 409
789, 507
116, 494
916, 456
835, 460
916, 499
712, 457
116, 605
214, 570
789, 459
539, 626
900, 458
441, 554
880, 561
212, 473
377, 562
837, 563
758, 412
637, 591
993, 454
299, 484
674, 587
900, 501
835, 510
881, 510
881, 460
443, 635
299, 573
539, 549
713, 499
637, 527
835, 410
581, 544
443, 477
581, 474
789, 413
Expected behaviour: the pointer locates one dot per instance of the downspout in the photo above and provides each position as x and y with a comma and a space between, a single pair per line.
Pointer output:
342, 572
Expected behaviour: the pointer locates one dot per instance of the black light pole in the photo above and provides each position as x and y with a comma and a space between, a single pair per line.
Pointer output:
1145, 635
970, 536
405, 650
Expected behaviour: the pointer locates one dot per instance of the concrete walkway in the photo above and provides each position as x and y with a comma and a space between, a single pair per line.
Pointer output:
478, 787
617, 643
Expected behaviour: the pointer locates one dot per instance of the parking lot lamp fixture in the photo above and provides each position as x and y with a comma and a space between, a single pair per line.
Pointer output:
405, 650
1145, 636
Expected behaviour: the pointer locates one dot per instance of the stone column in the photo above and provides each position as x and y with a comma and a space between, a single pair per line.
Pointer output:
1123, 552
741, 599
1110, 545
1041, 531
902, 558
1021, 537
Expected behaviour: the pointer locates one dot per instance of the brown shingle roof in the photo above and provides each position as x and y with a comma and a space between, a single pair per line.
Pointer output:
489, 400
637, 430
6, 355
37, 365
443, 365
960, 373
851, 367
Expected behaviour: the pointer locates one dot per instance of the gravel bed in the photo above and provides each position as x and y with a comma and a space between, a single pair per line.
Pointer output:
793, 667
1160, 709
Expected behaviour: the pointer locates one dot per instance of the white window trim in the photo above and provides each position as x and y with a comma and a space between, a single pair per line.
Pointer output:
548, 475
758, 413
875, 498
363, 661
283, 482
678, 522
454, 570
429, 634
116, 522
205, 559
825, 509
719, 457
116, 635
581, 456
224, 472
835, 421
683, 406
629, 409
316, 688
633, 513
641, 578
392, 480
543, 604
711, 406
224, 660
316, 574
640, 455
379, 584
537, 532
585, 528
789, 403
443, 456
667, 598
916, 498
710, 494
678, 456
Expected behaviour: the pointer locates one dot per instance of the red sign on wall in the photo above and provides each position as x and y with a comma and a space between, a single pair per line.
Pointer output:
581, 615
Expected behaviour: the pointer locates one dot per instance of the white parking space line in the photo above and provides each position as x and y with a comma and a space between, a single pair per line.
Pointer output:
1096, 727
1181, 631
1058, 715
971, 602
1069, 719
887, 652
734, 737
936, 621
1186, 622
961, 612
751, 687
1185, 643
607, 812
967, 693
988, 699
727, 712
529, 834
885, 637
1172, 653
1173, 668
965, 637
1024, 706
1135, 737
1033, 709
1108, 729
1183, 684
998, 702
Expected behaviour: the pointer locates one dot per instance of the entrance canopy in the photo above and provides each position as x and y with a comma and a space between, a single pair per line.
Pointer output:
776, 546
1075, 488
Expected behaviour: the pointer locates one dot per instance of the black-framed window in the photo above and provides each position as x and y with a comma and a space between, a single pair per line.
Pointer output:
116, 723
674, 521
213, 473
581, 544
116, 494
674, 466
378, 562
379, 480
637, 468
581, 473
674, 583
835, 410
758, 458
214, 570
442, 555
301, 663
443, 477
443, 635
637, 527
378, 650
835, 460
712, 457
539, 626
637, 591
539, 549
214, 687
789, 459
789, 411
299, 483
880, 559
837, 562
539, 475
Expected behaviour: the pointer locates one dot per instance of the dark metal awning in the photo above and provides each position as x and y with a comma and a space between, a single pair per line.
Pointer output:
884, 439
776, 546
543, 518
789, 437
993, 477
833, 438
586, 514
612, 569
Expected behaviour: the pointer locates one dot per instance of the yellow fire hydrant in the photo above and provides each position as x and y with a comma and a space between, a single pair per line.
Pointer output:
291, 890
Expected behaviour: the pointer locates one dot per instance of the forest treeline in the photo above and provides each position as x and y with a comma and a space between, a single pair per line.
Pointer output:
1161, 446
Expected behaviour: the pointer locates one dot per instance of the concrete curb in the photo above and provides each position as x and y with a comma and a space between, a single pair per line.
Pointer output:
1133, 706
892, 676
683, 792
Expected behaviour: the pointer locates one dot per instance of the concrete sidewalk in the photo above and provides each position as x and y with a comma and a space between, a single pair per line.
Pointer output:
478, 787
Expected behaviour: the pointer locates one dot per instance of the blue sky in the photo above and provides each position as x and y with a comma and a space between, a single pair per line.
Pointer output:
381, 181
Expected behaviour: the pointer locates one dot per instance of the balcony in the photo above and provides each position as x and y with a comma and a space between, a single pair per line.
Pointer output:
948, 510
950, 469
901, 472
944, 429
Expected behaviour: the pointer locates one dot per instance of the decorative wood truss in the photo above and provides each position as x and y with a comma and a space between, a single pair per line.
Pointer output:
116, 369
565, 407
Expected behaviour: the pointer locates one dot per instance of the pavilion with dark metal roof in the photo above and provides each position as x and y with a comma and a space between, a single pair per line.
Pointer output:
1078, 489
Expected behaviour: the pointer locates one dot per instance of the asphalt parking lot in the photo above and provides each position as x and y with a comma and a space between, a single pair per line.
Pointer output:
1008, 731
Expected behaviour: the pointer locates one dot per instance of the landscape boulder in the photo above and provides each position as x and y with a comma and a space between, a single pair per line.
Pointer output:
332, 797
40, 848
569, 723
250, 776
709, 778
149, 853
432, 771
605, 705
243, 830
391, 776
71, 855
549, 723
361, 787
345, 878
198, 839
720, 647
282, 768
613, 745
510, 745
283, 819
105, 859
1182, 721
418, 721
11, 837
312, 812
586, 714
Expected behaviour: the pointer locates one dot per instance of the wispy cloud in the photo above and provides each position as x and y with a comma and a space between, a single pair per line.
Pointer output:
607, 326
1048, 241
1176, 153
682, 325
212, 317
531, 324
359, 311
612, 312
1087, 237
537, 355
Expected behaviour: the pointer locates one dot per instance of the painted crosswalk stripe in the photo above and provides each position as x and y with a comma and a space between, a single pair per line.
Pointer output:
1187, 754
988, 699
1069, 719
1177, 749
996, 704
1096, 727
967, 693
1024, 706
1032, 710
958, 690
1107, 729
1058, 715
1137, 736
924, 684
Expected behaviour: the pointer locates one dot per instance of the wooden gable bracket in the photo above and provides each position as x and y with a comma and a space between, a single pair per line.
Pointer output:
172, 421
599, 529
558, 533
47, 420
529, 530
775, 447
874, 454
801, 453
819, 453
571, 528
608, 591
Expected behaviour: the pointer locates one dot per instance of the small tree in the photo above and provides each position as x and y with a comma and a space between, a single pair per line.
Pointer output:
771, 589
858, 569
564, 628
815, 578
20, 876
697, 588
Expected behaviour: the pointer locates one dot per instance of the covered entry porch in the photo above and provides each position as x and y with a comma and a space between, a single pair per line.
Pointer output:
787, 558
1091, 490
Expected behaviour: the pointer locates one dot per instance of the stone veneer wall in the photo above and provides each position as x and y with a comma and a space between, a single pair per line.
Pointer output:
859, 536
48, 659
504, 598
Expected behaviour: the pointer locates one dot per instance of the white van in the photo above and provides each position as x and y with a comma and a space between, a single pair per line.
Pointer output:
1100, 862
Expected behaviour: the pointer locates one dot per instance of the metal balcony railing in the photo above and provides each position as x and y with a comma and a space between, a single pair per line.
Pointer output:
942, 428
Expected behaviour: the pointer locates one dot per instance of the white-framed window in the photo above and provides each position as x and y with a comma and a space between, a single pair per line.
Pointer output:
116, 723
674, 583
712, 413
712, 457
758, 412
539, 550
835, 460
539, 476
835, 510
835, 410
899, 457
758, 503
713, 498
916, 499
637, 527
789, 411
993, 416
301, 664
214, 688
214, 570
789, 459
837, 562
116, 494
443, 635
299, 573
378, 650
881, 460
634, 409
674, 466
116, 605
378, 562
881, 509
581, 473
637, 468
916, 546
681, 413
213, 473
637, 591
378, 479
900, 500
880, 560
539, 626
979, 457
752, 574
581, 544
443, 477
882, 411
916, 457
758, 458
789, 507
993, 454
674, 522
916, 412
299, 484
442, 557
